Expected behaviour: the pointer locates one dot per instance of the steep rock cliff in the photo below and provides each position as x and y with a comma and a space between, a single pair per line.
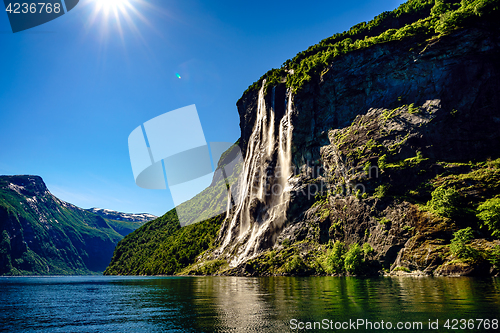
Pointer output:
373, 151
418, 105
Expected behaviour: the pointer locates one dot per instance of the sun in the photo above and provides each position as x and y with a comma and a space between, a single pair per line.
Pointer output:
117, 16
115, 6
109, 5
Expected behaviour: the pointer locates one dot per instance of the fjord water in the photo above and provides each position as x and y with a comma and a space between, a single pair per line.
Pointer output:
235, 304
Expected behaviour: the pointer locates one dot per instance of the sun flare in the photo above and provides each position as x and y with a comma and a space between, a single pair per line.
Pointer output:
117, 16
112, 5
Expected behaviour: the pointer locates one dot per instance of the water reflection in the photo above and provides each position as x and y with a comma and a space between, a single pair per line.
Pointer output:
261, 304
232, 304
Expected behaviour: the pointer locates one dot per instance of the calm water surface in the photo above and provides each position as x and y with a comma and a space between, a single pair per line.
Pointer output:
233, 304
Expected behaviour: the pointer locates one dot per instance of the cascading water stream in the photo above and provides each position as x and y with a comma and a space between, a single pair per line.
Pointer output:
264, 191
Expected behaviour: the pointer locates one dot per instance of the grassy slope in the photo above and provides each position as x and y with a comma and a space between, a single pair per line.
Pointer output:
124, 227
162, 246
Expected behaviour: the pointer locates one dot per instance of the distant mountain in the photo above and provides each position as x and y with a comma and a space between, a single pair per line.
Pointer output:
118, 216
43, 235
123, 223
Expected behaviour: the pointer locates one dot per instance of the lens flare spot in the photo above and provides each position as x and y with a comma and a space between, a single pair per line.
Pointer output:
178, 75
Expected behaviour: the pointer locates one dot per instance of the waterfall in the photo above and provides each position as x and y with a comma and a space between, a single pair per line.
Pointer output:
260, 212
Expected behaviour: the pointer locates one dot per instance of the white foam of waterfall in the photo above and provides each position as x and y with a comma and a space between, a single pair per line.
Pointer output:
264, 188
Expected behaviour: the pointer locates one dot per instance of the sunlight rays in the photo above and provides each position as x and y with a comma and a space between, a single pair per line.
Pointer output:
125, 23
117, 15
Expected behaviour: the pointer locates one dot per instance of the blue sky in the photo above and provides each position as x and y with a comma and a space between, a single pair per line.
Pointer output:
73, 89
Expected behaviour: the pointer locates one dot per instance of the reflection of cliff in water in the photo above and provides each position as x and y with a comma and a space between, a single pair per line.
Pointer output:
268, 304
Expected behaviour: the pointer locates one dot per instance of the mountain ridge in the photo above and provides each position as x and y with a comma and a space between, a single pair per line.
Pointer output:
119, 216
43, 235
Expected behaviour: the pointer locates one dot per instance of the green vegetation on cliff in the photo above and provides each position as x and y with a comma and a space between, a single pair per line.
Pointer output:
489, 215
456, 221
443, 208
424, 19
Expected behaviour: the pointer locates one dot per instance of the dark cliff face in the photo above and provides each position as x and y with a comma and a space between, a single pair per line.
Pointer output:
438, 100
28, 185
247, 109
461, 70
